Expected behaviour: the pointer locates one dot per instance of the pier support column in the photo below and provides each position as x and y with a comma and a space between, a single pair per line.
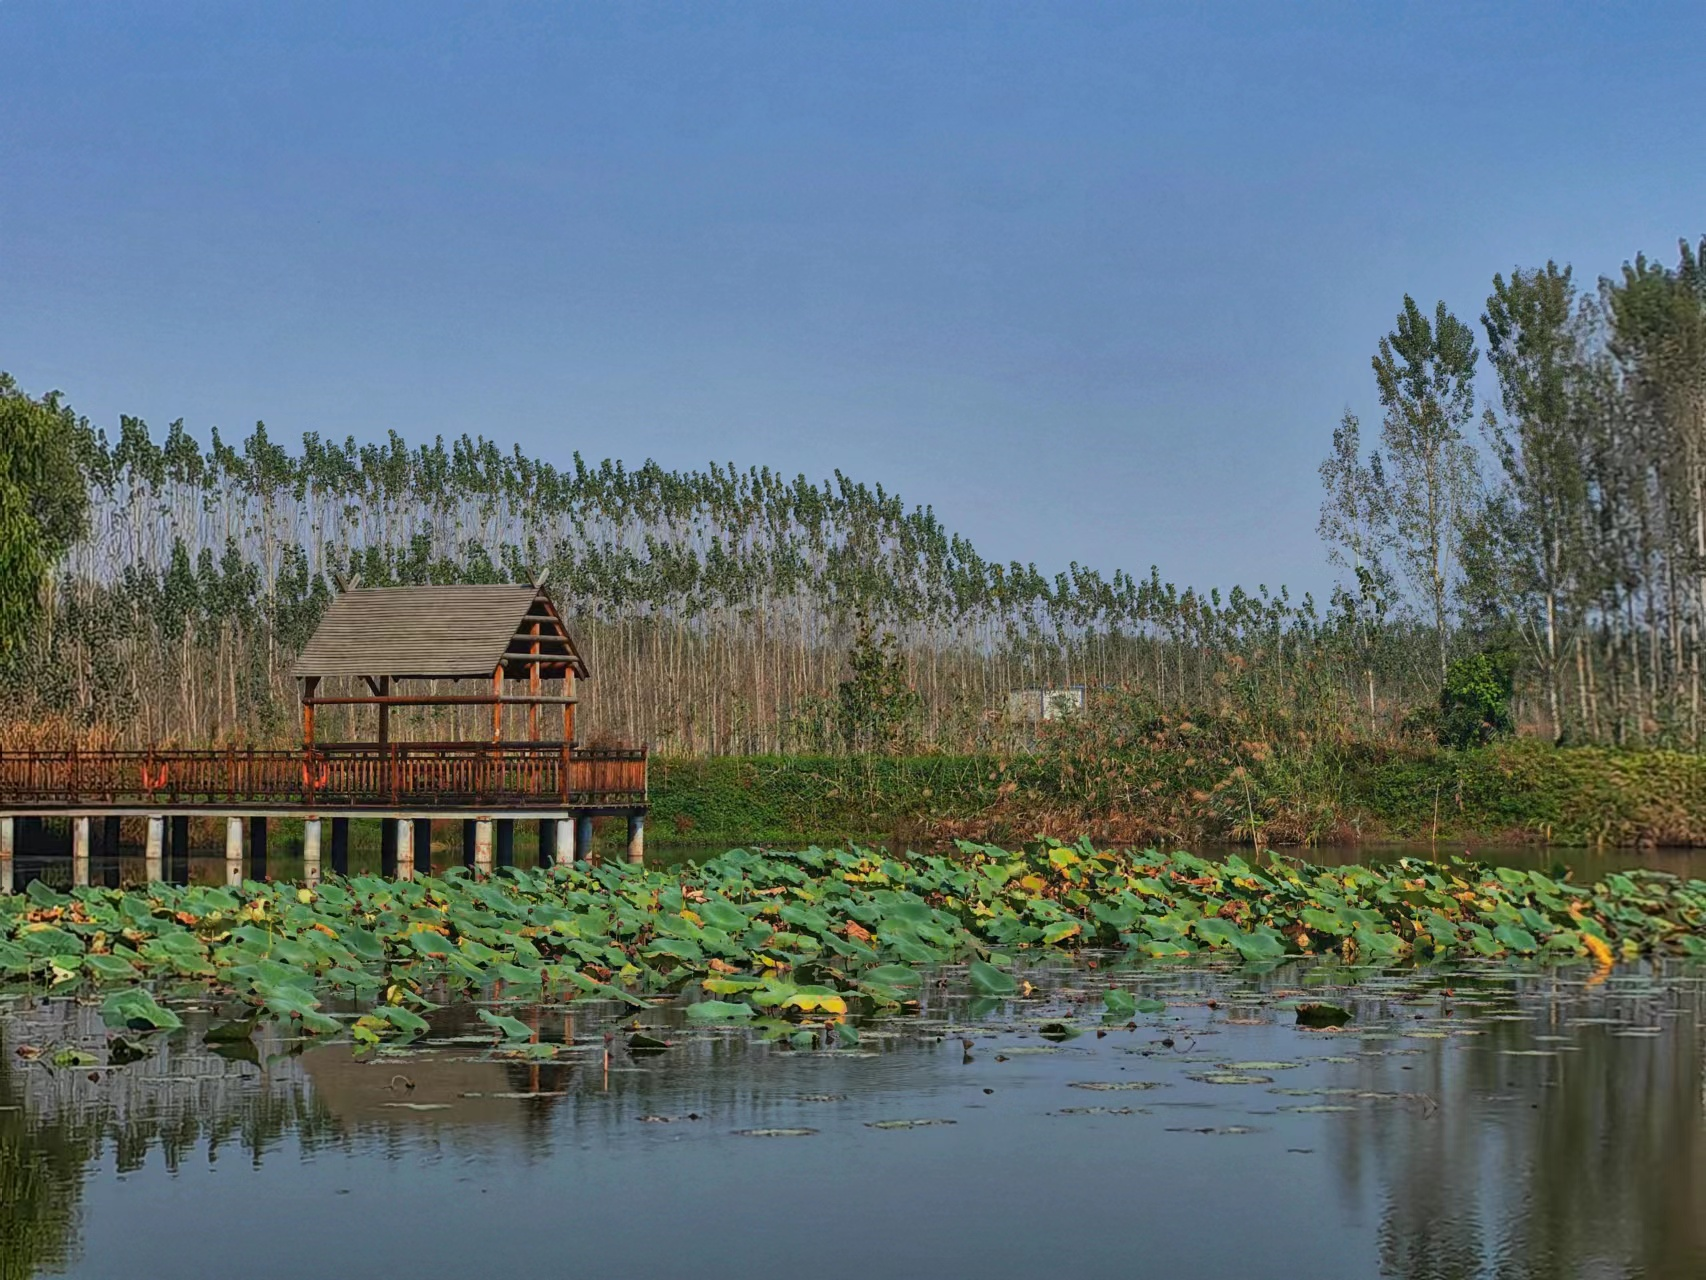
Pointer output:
565, 850
179, 871
388, 848
483, 847
506, 842
233, 852
8, 854
423, 846
403, 840
636, 839
79, 853
258, 847
340, 846
583, 837
154, 852
547, 843
311, 852
469, 840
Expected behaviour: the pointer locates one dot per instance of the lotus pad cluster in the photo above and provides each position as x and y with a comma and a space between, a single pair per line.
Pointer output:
740, 931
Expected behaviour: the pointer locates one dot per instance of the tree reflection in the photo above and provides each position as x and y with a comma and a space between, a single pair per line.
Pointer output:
1544, 1158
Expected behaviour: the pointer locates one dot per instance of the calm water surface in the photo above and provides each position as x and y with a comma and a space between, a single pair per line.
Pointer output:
1471, 1121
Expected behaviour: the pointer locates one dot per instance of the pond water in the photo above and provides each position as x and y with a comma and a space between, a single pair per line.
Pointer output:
1470, 1120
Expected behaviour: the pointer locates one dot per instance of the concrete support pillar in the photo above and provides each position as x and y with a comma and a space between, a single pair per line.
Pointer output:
80, 853
423, 846
154, 852
311, 852
404, 841
636, 839
8, 855
547, 843
483, 847
258, 847
506, 842
469, 839
565, 850
233, 852
340, 846
388, 848
583, 837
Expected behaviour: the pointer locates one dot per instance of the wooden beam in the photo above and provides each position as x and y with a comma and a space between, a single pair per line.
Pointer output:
497, 703
442, 700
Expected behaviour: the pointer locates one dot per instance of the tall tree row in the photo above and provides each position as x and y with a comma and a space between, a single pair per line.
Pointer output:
1573, 534
1548, 503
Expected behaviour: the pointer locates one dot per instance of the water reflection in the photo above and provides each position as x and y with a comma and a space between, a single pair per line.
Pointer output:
1470, 1122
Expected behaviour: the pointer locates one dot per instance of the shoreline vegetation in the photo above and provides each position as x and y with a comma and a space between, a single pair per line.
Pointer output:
810, 938
1516, 792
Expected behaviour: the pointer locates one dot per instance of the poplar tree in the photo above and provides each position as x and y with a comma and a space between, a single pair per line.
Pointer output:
1425, 373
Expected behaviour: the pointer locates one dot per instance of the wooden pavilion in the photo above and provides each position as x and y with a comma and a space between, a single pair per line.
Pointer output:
375, 648
502, 637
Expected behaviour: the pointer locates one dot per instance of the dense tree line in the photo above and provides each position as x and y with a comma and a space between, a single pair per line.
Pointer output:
1570, 538
1561, 529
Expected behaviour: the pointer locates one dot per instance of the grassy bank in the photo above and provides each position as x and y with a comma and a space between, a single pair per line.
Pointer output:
1519, 791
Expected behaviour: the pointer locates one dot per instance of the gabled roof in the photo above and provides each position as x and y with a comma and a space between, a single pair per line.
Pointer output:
437, 633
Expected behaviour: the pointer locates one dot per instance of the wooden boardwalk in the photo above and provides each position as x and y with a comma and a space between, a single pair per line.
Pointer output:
421, 777
487, 787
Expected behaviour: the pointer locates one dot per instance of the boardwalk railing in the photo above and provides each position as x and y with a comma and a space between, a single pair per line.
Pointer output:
410, 775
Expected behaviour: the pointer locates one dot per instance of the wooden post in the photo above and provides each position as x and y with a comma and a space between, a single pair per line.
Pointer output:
423, 846
258, 847
340, 846
569, 707
565, 841
80, 853
636, 839
506, 842
310, 686
497, 707
154, 852
405, 843
483, 847
311, 852
533, 686
233, 852
8, 850
384, 691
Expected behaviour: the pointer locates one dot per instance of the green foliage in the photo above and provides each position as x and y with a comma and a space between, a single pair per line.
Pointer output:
43, 501
804, 935
1475, 701
876, 706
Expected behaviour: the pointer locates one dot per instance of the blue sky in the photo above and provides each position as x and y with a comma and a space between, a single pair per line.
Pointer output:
1093, 281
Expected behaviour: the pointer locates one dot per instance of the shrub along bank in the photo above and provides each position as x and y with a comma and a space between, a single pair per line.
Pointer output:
1521, 791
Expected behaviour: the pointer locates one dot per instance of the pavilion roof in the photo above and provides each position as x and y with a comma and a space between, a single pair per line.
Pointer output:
437, 633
